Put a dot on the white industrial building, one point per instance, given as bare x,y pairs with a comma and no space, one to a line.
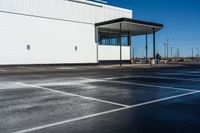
67,32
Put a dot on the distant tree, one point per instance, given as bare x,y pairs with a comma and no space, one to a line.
158,57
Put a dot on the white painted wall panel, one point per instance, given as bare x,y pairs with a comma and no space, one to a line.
51,41
63,9
113,52
54,41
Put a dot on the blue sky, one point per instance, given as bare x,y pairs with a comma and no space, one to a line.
181,19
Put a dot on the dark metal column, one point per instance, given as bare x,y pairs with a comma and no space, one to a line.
154,44
130,44
120,42
97,43
146,47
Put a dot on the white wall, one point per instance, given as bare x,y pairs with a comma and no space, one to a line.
64,9
53,28
51,41
107,53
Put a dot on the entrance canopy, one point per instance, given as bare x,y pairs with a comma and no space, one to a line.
119,32
135,27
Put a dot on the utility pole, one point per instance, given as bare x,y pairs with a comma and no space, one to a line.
177,53
171,51
197,52
157,51
192,53
165,44
167,48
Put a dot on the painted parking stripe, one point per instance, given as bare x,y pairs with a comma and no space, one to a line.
160,77
71,94
103,113
32,68
2,70
147,85
194,72
65,68
180,74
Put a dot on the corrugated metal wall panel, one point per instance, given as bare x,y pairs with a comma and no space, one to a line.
63,9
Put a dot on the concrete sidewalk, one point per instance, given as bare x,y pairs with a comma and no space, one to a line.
66,68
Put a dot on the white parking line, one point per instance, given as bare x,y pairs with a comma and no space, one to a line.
147,85
103,113
194,72
2,70
65,68
6,86
71,94
157,77
32,68
180,74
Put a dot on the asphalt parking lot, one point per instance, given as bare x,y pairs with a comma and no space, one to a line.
100,99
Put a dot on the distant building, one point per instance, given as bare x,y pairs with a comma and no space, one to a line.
67,32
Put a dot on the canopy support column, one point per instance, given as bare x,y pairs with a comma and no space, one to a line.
146,47
130,44
154,44
120,43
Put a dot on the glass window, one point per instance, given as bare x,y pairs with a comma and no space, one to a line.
114,38
124,39
110,37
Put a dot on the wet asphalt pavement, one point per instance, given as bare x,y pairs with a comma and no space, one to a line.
100,99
